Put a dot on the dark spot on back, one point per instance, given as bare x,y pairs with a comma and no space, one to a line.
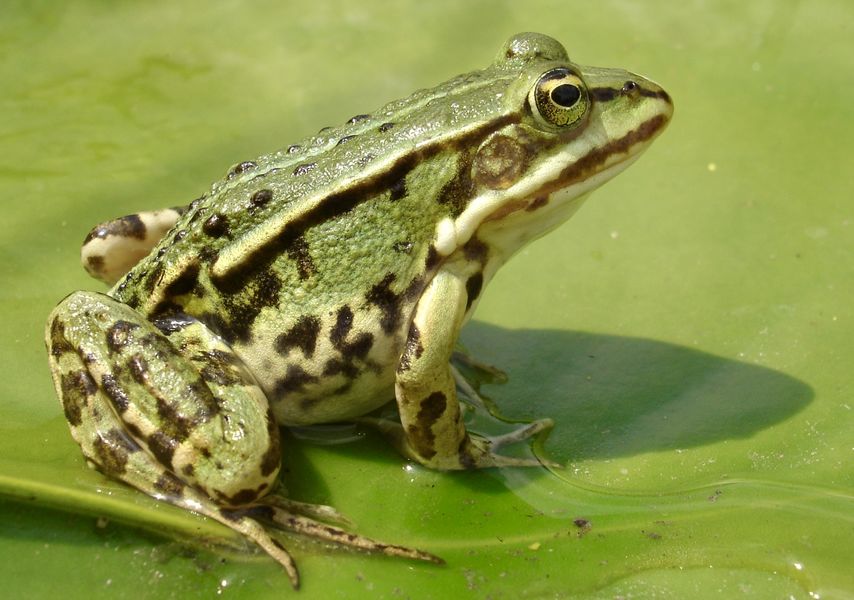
358,118
350,351
382,296
343,324
261,197
298,252
336,366
294,380
239,168
359,347
184,283
345,139
215,226
385,127
302,335
153,278
294,148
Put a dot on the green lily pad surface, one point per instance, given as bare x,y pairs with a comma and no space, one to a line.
690,331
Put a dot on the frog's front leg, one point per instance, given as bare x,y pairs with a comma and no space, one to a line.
432,430
168,408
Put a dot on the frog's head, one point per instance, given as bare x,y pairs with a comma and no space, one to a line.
574,128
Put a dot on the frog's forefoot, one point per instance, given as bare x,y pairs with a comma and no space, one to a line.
484,447
521,434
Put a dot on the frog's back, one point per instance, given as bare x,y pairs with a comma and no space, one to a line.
320,224
310,260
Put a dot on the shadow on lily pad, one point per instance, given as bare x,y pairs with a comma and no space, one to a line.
613,396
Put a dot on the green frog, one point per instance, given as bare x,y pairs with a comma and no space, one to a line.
315,283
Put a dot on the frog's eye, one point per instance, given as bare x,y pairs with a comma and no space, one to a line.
559,98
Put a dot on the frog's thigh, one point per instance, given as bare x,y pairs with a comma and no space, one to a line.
433,432
155,417
112,248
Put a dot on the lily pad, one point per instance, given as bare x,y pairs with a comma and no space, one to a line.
689,330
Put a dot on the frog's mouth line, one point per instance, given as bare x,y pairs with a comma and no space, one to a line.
588,172
592,165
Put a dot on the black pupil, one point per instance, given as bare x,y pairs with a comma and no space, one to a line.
566,95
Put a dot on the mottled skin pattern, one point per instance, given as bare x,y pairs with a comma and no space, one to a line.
316,283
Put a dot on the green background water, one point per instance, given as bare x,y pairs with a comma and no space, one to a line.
690,330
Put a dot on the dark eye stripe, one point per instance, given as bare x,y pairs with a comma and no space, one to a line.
606,94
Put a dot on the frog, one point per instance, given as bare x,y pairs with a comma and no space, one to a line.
319,282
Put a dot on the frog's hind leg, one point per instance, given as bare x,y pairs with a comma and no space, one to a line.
180,418
112,248
291,516
199,438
